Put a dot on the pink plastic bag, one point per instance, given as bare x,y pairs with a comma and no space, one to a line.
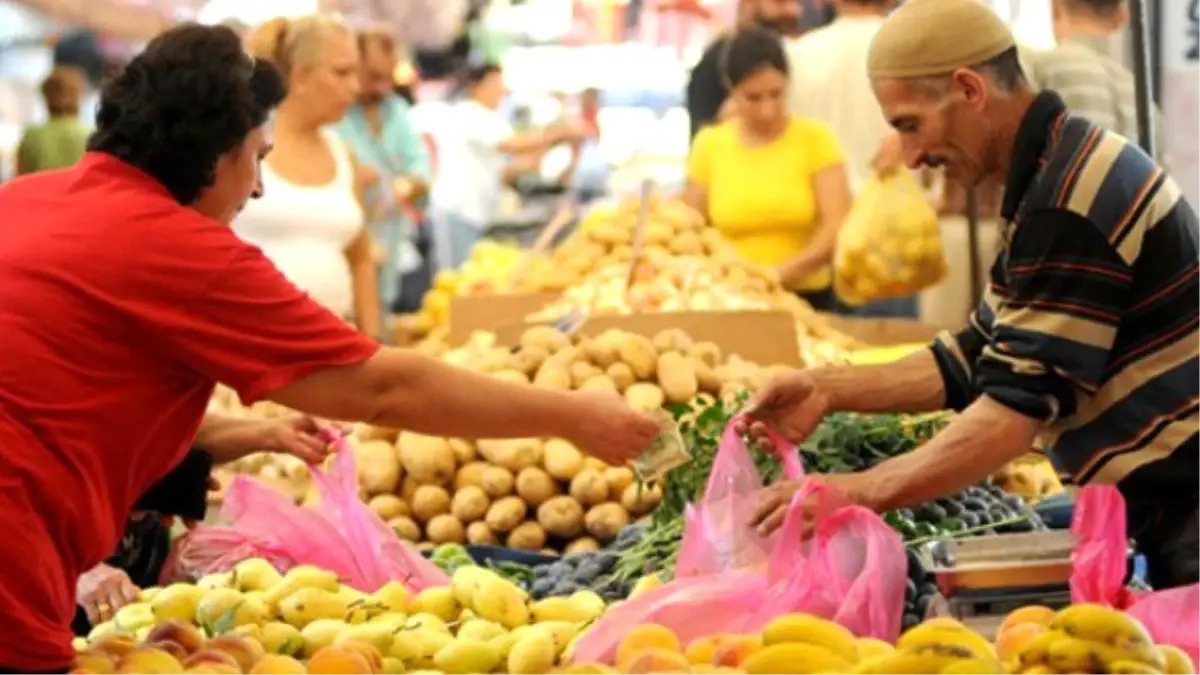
340,534
1099,566
852,569
717,535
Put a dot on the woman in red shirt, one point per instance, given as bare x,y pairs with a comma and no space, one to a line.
124,297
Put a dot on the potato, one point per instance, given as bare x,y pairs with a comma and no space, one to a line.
732,391
553,375
470,474
510,375
546,337
430,501
446,529
638,353
599,382
469,504
528,536
494,360
638,505
423,546
405,528
706,352
479,534
706,378
529,359
568,355
618,478
672,339
408,488
496,482
550,552
535,486
581,371
388,507
513,454
561,517
561,459
621,375
464,450
594,464
504,514
582,545
676,377
686,243
645,397
589,488
378,466
605,521
428,459
600,351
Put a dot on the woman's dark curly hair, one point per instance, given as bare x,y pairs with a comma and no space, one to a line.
749,50
190,97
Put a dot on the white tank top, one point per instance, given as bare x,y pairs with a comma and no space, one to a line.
305,230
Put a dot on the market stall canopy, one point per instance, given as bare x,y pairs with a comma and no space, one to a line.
430,24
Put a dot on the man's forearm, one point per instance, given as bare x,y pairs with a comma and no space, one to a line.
400,388
911,385
223,438
980,441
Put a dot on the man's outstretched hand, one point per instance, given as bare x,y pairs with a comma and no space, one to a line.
791,404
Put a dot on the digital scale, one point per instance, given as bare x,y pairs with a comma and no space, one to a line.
982,579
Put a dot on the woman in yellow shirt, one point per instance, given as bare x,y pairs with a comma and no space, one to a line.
773,184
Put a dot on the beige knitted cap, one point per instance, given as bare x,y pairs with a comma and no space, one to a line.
935,37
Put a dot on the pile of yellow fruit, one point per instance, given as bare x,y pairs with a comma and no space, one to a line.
488,269
532,493
890,244
253,620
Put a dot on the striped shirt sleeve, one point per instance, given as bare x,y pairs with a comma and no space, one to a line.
1067,289
956,354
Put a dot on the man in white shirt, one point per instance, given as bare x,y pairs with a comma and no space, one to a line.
829,82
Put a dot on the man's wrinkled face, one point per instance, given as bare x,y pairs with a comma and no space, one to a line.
238,178
940,128
781,16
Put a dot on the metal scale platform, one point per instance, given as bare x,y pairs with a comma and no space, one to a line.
982,579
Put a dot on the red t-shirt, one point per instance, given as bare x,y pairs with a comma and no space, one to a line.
119,310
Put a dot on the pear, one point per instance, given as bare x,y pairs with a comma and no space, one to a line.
301,576
215,581
281,638
255,574
320,633
132,618
215,606
393,596
500,601
377,635
177,602
309,604
438,601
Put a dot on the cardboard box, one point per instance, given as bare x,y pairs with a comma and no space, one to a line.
766,338
882,332
469,313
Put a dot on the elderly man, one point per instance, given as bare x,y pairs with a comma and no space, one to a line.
1087,335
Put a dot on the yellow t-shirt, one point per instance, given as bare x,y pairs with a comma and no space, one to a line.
761,198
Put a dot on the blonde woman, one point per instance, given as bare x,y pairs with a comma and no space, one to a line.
309,220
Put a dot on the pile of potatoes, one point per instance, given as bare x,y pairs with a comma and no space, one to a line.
527,493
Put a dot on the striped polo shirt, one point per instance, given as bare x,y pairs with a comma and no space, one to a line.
1090,319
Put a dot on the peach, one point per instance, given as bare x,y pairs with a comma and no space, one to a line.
1029,614
169,646
658,660
115,646
94,662
245,651
208,657
278,664
734,651
149,662
335,660
183,634
213,668
643,637
1012,640
367,652
701,650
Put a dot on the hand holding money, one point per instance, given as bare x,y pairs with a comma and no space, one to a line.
666,452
